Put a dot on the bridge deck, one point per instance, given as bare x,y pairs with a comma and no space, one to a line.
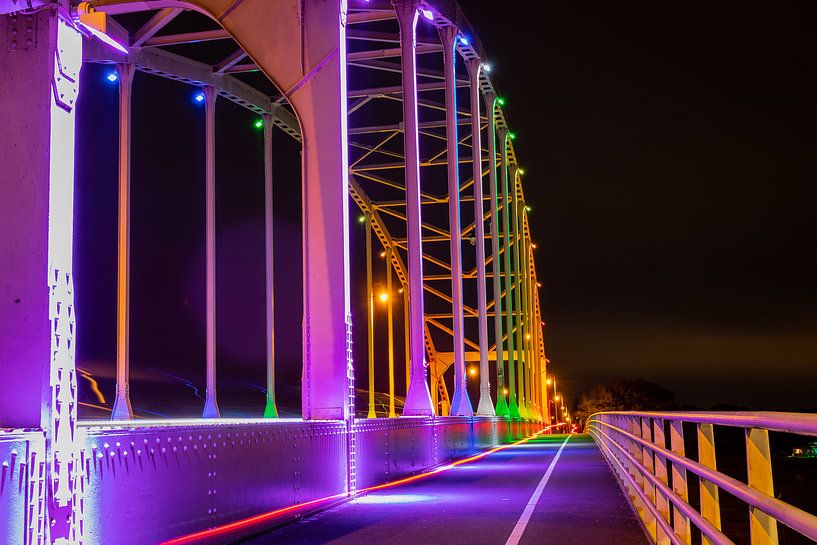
487,502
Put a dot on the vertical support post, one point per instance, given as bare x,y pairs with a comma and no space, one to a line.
370,309
460,403
210,97
406,336
390,309
513,407
524,269
40,61
485,406
679,483
763,528
710,497
270,409
122,409
517,299
648,461
418,398
319,96
660,465
501,403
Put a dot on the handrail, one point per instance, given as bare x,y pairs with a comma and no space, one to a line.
635,444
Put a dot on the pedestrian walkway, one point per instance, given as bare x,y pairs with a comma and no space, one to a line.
553,489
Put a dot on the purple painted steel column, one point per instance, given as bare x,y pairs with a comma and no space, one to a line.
418,398
485,406
122,409
40,61
270,409
210,97
460,402
501,403
319,97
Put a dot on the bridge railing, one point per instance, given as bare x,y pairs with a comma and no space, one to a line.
647,452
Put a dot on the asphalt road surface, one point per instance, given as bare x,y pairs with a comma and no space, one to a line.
553,490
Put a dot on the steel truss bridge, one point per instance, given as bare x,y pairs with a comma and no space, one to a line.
214,480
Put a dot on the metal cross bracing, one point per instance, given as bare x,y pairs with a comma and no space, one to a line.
386,99
161,42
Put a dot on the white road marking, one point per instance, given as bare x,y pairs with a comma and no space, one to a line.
522,523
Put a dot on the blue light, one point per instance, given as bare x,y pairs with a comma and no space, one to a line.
112,76
199,97
464,40
393,499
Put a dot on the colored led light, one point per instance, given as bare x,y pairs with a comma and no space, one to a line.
464,40
512,135
199,97
528,209
112,76
486,67
428,14
500,101
259,124
361,219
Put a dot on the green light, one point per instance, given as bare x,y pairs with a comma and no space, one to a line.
500,101
522,171
512,135
361,219
259,124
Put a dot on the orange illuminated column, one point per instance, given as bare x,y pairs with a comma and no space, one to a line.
122,409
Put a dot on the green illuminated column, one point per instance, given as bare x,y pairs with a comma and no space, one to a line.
513,407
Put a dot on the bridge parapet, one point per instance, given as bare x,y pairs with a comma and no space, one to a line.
647,452
211,481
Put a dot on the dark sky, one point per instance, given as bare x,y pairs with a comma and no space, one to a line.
670,159
670,151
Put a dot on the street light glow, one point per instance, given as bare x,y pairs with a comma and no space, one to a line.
383,297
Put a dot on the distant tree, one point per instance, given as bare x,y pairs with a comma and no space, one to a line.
625,395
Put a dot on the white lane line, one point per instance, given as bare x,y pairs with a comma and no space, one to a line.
522,523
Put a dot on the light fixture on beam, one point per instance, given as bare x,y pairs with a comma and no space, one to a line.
96,24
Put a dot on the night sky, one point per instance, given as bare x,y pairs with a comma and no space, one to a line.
670,166
672,170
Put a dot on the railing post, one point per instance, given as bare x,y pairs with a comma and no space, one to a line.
648,461
460,403
210,97
270,409
122,409
763,528
660,466
501,403
418,399
485,406
710,500
679,483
